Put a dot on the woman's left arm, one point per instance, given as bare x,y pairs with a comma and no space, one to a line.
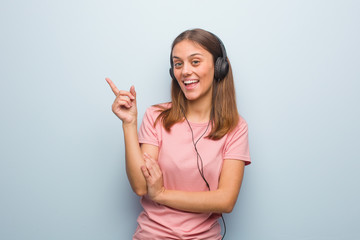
221,200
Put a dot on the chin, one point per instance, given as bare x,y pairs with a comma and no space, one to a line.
191,97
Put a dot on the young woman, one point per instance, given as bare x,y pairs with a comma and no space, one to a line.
189,165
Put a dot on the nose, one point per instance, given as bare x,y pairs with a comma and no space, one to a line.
186,70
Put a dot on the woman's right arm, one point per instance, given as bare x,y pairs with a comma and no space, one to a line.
134,158
124,107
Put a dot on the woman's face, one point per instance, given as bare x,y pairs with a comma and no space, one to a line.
193,69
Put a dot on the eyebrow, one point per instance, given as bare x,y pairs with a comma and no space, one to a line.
194,54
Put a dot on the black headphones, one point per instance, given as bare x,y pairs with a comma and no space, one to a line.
221,67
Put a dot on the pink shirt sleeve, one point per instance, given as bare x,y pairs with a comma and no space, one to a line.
147,133
237,144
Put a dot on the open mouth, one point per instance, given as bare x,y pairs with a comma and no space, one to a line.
190,82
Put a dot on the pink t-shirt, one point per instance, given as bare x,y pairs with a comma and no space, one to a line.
178,162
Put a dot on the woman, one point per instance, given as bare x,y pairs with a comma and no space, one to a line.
190,162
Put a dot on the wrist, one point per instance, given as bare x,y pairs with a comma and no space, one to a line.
127,125
161,197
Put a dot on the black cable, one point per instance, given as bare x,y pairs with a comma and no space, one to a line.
224,227
201,167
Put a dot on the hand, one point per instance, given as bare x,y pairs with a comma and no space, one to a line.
153,176
124,105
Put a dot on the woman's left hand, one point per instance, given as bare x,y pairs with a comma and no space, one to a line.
153,176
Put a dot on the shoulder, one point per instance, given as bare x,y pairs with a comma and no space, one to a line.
240,128
237,143
156,109
241,123
161,106
153,112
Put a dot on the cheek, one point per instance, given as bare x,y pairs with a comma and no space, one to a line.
209,73
177,81
177,73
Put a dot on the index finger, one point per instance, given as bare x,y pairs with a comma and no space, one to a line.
152,161
113,87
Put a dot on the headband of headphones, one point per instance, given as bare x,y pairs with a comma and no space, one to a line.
221,67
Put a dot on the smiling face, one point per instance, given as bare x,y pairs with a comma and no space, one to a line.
194,70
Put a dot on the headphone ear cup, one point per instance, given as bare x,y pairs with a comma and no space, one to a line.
171,71
217,69
224,68
221,69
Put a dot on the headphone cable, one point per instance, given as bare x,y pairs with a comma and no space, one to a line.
201,167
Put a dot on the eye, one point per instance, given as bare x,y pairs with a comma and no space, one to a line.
177,65
195,62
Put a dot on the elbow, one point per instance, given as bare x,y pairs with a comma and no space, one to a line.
139,190
228,208
228,205
227,201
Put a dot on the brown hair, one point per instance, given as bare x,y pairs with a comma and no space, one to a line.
224,115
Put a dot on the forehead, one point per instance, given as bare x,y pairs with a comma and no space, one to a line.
186,48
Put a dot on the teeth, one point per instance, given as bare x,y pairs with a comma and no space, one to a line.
190,81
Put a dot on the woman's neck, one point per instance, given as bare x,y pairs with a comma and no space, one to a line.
198,112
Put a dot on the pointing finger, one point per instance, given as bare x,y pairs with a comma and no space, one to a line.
113,87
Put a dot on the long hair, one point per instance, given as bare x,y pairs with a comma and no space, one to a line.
224,115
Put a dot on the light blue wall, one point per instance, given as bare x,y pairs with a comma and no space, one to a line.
296,66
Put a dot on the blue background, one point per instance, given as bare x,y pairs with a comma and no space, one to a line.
296,66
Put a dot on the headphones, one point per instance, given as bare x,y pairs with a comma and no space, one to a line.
221,67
